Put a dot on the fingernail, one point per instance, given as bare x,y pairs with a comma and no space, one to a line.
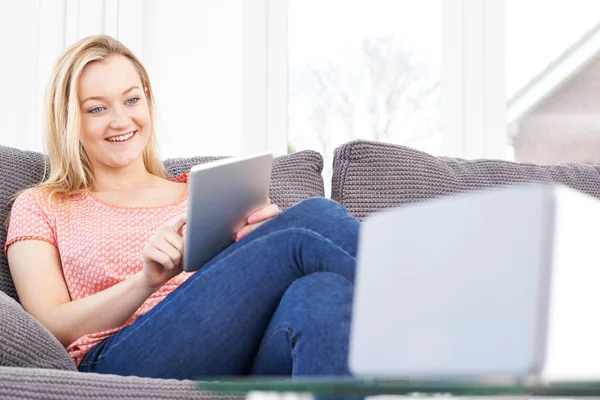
251,220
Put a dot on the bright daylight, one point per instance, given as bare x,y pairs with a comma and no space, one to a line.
299,199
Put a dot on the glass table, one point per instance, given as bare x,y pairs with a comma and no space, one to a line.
362,388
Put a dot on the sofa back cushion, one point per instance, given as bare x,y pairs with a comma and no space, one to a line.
26,343
18,170
372,176
294,177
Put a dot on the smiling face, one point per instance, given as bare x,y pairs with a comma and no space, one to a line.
115,118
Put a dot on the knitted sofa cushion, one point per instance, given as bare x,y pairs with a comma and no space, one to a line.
18,170
33,383
372,176
24,342
294,177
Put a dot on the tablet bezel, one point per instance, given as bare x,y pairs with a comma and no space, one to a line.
237,186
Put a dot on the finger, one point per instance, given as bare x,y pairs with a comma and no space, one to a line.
268,203
157,255
242,232
175,240
264,213
168,249
237,227
177,223
247,229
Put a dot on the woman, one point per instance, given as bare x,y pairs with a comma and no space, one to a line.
95,251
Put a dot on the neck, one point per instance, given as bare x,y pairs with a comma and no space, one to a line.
132,176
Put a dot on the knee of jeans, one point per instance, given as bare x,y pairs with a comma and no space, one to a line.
318,206
319,294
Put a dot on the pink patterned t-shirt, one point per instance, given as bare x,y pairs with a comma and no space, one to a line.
99,245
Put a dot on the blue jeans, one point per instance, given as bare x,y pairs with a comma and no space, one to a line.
278,302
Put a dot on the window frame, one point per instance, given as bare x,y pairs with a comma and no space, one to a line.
473,85
264,76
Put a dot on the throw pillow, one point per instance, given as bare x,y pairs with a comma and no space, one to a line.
294,177
24,342
373,176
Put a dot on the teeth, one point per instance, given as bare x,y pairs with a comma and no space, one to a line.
121,138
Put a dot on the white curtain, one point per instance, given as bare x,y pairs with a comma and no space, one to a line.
192,50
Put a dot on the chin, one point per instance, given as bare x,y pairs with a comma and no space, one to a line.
122,162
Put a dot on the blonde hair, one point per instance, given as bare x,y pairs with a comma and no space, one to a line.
70,167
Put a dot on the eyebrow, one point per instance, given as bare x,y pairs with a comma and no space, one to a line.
102,98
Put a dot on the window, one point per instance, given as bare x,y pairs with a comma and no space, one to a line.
365,69
553,80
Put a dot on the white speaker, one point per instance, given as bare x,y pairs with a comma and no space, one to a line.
495,283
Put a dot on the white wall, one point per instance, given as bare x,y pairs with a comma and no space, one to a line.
18,74
192,50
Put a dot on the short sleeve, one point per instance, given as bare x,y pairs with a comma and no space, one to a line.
183,178
30,219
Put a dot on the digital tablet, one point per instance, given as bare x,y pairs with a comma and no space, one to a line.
221,196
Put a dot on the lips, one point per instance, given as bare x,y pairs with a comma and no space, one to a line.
121,138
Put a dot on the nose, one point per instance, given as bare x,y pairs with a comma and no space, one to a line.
120,119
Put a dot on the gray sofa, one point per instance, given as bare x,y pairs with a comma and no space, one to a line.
367,177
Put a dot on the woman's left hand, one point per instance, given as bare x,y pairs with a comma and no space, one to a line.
258,218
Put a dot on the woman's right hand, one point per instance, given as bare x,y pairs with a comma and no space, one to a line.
163,254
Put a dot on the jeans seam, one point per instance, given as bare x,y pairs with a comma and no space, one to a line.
346,281
282,328
88,363
294,362
165,302
313,233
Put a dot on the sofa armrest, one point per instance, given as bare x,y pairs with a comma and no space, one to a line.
24,342
33,383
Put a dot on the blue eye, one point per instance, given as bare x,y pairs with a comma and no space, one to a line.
133,100
96,110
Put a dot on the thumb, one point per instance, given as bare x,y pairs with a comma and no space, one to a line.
178,222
